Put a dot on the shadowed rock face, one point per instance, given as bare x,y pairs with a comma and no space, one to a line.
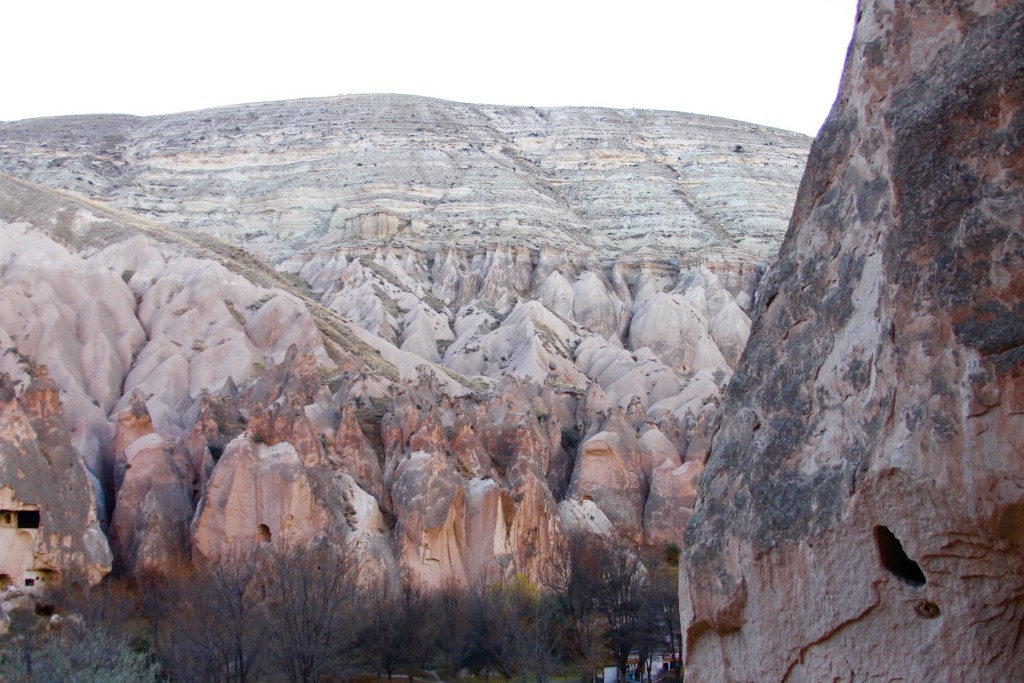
859,515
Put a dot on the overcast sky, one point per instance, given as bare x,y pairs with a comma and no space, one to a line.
773,63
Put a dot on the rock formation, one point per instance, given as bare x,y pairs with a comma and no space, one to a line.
399,170
469,338
48,523
859,515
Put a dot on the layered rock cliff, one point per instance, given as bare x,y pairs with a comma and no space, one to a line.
859,516
483,326
392,169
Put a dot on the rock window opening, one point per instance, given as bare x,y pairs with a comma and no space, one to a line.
896,560
30,582
263,531
28,519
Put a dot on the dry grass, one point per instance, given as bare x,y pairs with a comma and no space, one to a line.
55,211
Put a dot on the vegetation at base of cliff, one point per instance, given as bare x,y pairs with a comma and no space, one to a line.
311,613
76,634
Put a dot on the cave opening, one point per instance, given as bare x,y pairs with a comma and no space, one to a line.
28,519
896,560
263,531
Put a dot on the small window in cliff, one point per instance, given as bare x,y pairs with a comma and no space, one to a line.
28,519
30,582
896,560
263,531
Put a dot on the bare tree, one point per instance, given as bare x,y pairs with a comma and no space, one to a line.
311,600
78,633
80,654
531,642
664,572
208,622
621,599
233,602
544,641
486,622
449,623
572,579
415,624
382,637
176,616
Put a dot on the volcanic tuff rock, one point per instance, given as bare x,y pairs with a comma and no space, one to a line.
860,513
470,339
48,518
400,170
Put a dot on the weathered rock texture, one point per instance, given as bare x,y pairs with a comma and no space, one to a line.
860,515
483,324
217,406
48,521
405,170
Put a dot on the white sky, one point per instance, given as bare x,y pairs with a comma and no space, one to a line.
774,63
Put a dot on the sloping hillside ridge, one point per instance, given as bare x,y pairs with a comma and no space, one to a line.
283,175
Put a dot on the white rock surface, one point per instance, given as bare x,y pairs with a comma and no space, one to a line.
400,168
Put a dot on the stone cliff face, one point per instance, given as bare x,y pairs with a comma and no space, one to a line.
48,521
392,169
859,515
484,325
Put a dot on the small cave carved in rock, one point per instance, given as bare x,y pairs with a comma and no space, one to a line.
896,560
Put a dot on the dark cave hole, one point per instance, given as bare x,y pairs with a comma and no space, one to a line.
215,452
570,439
896,560
28,519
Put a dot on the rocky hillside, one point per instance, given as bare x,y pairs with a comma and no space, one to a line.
389,170
860,516
449,333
